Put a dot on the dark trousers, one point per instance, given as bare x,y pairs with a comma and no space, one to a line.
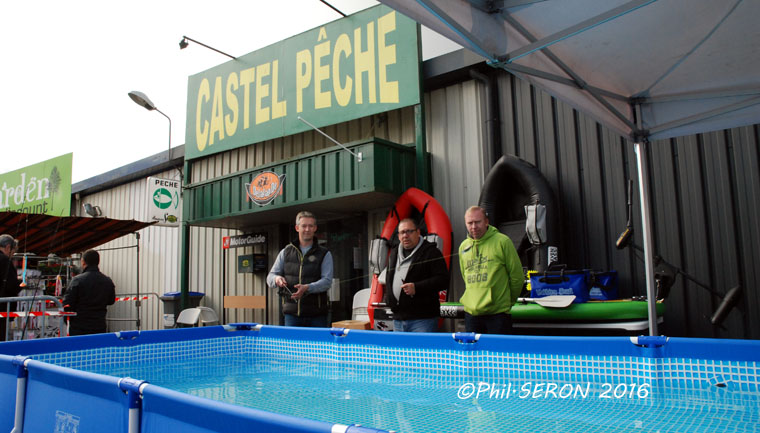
307,321
79,331
488,324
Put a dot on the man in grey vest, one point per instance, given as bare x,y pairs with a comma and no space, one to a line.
302,274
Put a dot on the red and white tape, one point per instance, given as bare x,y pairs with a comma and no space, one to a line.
38,313
131,298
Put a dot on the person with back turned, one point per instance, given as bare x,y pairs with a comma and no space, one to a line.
9,284
416,273
302,273
492,273
89,294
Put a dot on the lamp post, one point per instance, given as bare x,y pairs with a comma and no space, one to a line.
142,100
183,44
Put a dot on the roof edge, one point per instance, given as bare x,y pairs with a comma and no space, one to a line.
130,172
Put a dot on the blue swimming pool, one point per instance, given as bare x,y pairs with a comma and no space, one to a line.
202,379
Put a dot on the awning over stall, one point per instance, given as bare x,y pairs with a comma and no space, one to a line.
63,236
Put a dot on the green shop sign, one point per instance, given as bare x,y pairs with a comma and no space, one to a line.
43,188
354,67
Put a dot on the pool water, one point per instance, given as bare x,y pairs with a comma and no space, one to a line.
413,399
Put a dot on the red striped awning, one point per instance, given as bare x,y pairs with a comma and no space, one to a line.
44,234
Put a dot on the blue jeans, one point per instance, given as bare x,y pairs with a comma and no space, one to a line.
417,325
308,322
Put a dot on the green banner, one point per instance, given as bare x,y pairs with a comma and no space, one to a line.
43,188
354,67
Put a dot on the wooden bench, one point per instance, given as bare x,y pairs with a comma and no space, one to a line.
252,302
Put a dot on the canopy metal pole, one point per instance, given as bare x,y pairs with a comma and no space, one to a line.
646,231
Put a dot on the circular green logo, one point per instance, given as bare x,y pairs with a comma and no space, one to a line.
162,198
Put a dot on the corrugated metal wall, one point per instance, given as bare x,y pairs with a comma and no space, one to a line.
705,197
456,139
158,256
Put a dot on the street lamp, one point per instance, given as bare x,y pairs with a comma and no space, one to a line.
142,100
183,44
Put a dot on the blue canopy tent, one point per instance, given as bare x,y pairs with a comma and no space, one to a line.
648,69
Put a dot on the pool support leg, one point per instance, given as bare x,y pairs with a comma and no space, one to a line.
21,376
133,388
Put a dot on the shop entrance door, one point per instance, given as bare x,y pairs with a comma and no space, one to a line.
346,239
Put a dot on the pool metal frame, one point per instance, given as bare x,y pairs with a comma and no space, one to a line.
143,407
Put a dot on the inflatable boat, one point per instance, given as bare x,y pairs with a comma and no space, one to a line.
520,203
434,224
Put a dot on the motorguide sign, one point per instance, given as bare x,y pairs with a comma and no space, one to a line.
247,240
164,201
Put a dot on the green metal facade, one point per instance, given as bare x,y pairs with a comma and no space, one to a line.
318,176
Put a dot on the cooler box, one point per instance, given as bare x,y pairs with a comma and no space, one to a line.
562,282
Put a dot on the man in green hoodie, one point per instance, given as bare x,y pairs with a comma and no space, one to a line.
493,275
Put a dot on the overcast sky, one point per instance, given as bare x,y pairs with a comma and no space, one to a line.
68,66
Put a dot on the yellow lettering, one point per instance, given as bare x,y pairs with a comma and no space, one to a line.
246,79
386,55
230,123
217,112
321,73
279,108
262,90
342,94
365,62
303,76
201,128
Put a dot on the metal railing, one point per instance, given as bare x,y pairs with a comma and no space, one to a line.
139,297
6,313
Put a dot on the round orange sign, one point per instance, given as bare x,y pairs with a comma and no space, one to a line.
264,187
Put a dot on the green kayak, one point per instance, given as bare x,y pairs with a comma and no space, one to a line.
592,311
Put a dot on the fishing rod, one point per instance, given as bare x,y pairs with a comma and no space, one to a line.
666,272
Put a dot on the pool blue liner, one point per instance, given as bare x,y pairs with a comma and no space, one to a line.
673,347
165,410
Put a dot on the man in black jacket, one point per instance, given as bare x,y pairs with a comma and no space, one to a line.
9,285
416,273
89,294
